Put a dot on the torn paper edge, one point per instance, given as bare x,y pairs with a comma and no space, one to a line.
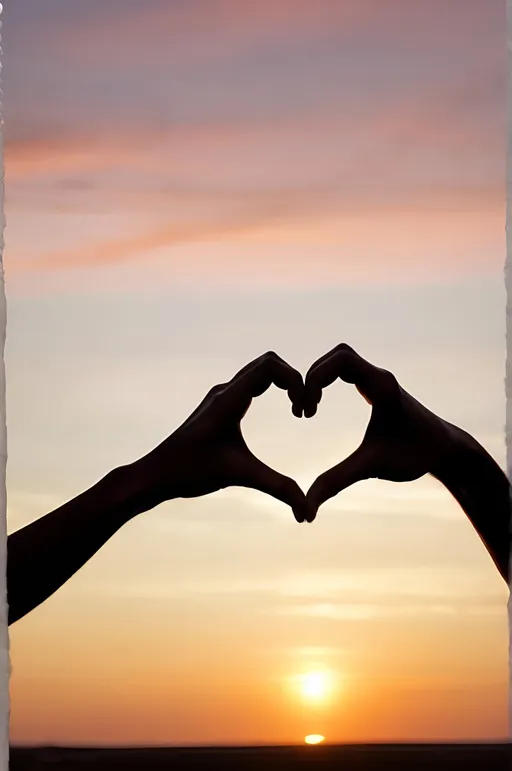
4,633
508,287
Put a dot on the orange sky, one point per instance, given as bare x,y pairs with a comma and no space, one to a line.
208,181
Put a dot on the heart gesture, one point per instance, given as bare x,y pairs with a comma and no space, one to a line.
209,453
405,441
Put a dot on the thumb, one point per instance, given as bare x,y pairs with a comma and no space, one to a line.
355,468
255,474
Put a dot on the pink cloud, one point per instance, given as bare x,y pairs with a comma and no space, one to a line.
415,188
395,245
220,26
224,26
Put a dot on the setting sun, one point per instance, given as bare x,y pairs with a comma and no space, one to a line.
315,685
314,739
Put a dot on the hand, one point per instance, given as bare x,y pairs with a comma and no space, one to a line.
205,454
208,452
403,440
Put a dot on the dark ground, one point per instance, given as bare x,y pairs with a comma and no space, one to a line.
413,757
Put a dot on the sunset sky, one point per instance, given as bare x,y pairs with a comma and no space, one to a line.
192,183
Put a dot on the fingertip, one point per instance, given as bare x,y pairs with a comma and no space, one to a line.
311,402
310,410
305,512
297,410
312,515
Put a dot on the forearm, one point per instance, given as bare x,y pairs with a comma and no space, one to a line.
483,491
42,556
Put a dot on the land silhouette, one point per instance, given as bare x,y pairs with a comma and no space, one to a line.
396,757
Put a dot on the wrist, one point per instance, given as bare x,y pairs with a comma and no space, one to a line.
136,488
156,477
483,491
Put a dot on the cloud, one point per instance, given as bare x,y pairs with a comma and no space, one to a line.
370,611
357,205
222,24
252,186
56,150
348,595
260,246
214,26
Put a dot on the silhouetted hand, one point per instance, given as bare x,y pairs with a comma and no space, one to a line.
404,441
208,452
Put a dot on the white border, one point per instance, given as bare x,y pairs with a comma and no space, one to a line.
4,633
508,286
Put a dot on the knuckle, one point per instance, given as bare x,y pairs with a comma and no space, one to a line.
389,381
345,348
387,388
217,390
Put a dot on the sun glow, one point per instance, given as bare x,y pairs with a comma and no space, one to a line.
315,686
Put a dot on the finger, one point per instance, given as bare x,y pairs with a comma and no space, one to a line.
313,393
339,347
356,468
376,385
345,363
255,378
249,471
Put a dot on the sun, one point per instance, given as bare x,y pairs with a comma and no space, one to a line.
314,739
315,686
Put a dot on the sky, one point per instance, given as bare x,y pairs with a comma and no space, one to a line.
189,184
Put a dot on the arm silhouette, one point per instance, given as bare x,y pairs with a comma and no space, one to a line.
404,441
205,454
